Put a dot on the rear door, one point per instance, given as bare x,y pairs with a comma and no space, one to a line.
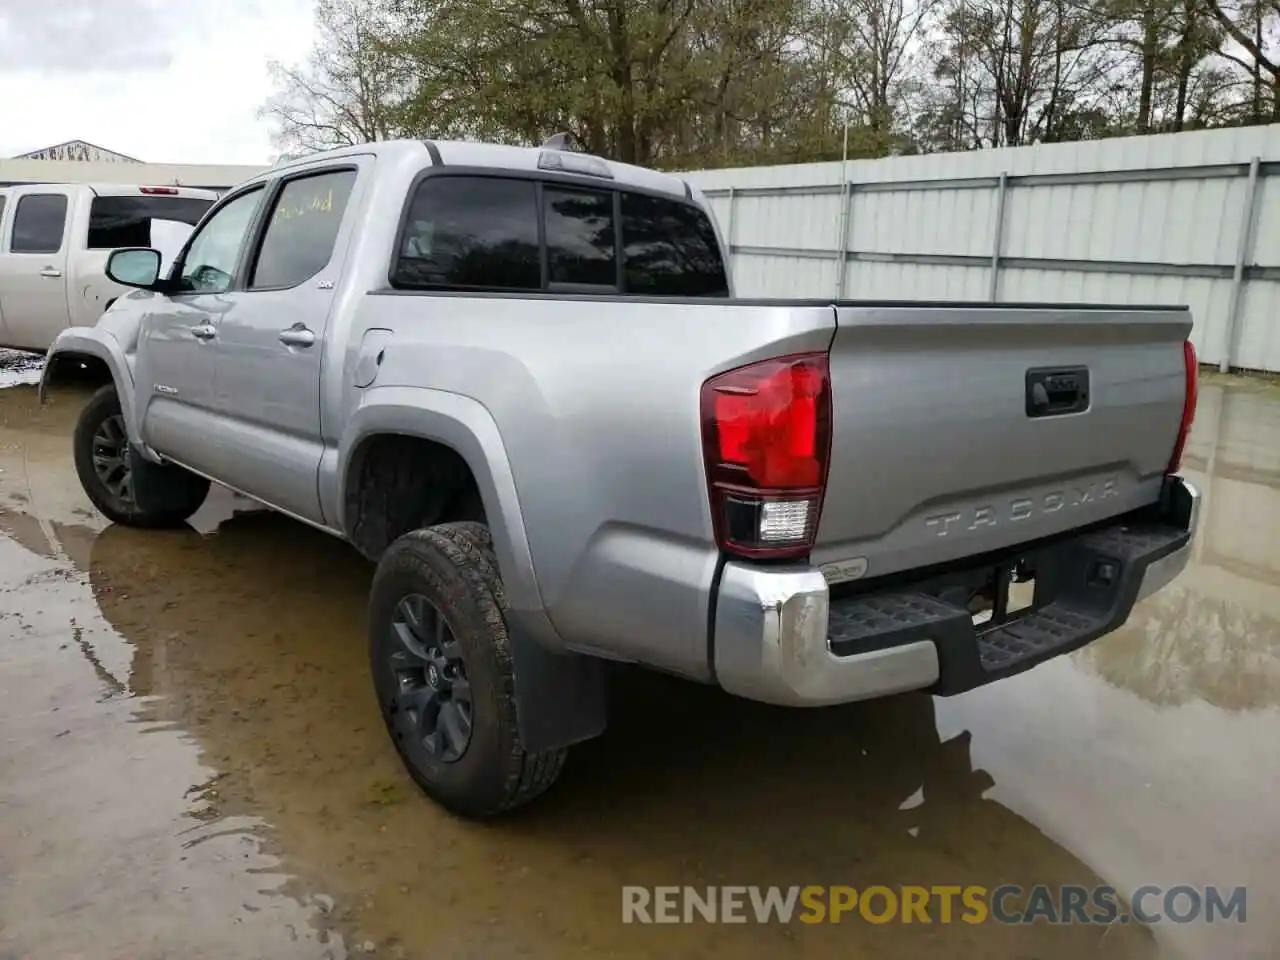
271,340
33,282
941,448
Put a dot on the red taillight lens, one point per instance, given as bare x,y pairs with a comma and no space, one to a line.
1188,404
161,191
766,438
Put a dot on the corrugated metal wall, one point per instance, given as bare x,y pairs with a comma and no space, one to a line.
1190,218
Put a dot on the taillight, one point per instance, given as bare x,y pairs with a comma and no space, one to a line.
160,191
766,439
1188,403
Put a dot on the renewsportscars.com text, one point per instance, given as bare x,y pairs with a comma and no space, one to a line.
1008,904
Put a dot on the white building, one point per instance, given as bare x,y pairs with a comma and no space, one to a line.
78,161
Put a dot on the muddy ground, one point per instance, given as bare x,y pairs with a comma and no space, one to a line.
191,765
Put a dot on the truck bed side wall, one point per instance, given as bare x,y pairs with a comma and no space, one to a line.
597,405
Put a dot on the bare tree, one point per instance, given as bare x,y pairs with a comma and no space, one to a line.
346,91
1251,25
872,47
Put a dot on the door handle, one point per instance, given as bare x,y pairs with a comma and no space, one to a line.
51,272
205,331
297,336
1052,393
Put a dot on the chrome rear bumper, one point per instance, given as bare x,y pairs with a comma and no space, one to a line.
775,627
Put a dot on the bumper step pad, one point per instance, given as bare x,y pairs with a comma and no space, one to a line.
1045,630
1085,588
888,619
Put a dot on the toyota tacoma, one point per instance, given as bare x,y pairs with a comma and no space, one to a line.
519,381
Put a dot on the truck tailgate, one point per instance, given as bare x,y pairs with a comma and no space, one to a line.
963,429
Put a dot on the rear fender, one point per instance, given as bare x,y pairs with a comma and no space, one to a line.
464,425
560,695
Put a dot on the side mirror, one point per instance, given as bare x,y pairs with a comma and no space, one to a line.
134,267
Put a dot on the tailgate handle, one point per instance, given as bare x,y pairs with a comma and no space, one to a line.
1058,391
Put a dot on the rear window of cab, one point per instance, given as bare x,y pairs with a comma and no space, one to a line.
490,233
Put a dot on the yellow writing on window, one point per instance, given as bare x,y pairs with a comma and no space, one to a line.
321,203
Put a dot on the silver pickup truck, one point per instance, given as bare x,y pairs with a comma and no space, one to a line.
519,381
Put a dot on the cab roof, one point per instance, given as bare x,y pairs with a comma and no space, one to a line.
465,153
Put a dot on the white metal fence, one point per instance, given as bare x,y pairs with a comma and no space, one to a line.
1189,218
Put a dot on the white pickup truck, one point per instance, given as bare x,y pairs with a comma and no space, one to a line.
54,244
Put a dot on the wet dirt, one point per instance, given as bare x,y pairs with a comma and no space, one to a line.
191,764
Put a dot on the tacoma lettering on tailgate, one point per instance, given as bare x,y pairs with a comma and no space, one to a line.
1021,508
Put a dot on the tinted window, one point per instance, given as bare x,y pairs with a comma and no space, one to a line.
303,229
1,209
210,261
127,221
670,249
580,243
38,222
479,232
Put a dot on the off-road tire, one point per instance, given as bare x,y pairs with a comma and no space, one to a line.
160,495
452,565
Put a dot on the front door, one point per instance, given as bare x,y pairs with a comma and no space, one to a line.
271,343
33,282
175,363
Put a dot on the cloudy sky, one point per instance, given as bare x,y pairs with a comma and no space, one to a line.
172,81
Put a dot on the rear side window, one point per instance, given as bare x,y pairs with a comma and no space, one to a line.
1,208
670,249
471,232
38,222
142,221
580,236
303,229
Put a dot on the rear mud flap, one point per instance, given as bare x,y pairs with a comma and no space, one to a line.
561,698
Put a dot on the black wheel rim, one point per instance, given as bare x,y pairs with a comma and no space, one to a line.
111,458
431,702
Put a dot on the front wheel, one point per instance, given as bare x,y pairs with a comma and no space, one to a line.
125,488
441,663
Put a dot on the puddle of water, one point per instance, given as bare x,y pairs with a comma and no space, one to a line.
219,673
1151,753
17,367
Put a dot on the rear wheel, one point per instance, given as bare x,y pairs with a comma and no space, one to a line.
441,663
126,489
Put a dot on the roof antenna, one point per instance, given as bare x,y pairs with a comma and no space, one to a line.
560,141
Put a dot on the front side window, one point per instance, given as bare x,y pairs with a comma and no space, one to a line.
580,241
209,264
38,223
670,249
471,232
303,229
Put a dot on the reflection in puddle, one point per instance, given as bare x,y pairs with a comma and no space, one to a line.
107,852
1151,753
1184,646
1214,636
